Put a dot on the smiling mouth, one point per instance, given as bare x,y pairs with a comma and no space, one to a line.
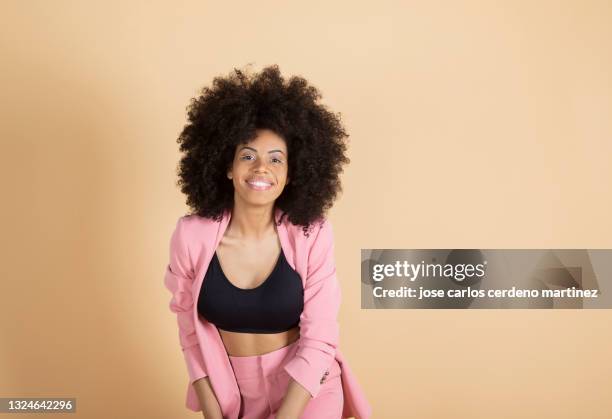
258,185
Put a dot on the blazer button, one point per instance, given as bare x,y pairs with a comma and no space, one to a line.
325,374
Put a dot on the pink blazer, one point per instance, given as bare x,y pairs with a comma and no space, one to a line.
192,246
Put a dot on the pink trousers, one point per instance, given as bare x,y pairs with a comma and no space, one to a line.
263,383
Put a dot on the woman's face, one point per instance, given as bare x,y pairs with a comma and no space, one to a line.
259,169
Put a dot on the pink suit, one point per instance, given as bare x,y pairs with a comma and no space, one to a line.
263,383
192,246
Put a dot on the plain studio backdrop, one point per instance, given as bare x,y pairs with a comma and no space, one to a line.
473,124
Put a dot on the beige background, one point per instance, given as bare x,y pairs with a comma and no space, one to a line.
473,124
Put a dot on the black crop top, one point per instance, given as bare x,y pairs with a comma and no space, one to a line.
273,306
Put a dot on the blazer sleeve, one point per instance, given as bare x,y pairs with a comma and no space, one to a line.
178,280
319,329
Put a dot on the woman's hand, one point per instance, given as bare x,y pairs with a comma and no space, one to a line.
294,402
208,400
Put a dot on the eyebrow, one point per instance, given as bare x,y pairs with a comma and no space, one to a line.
251,148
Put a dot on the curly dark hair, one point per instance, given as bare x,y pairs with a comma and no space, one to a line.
229,113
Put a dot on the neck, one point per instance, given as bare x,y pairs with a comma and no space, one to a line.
251,222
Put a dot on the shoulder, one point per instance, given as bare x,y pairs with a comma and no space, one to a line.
319,230
192,227
324,233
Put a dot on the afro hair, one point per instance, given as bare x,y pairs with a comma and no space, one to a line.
228,114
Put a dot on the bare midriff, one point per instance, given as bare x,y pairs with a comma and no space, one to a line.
249,344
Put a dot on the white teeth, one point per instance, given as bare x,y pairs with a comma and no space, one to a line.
260,183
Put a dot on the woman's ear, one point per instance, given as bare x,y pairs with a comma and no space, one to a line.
229,174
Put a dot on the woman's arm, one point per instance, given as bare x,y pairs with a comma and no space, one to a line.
208,400
178,280
319,329
294,402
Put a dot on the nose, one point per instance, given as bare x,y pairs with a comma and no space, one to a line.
260,166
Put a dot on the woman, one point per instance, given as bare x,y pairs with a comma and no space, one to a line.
251,269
